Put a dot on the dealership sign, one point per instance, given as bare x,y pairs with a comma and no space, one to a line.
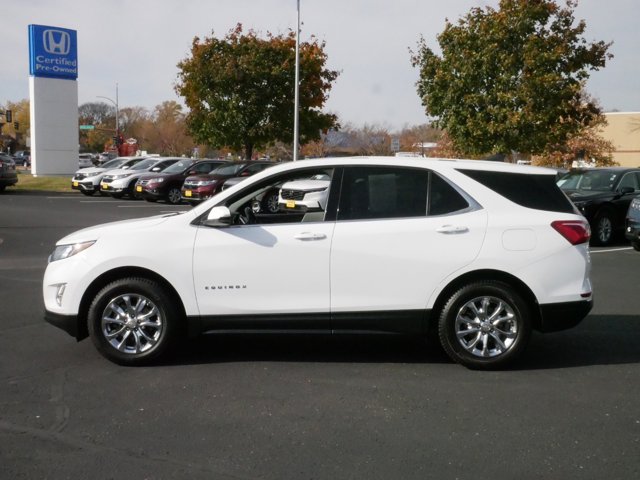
53,52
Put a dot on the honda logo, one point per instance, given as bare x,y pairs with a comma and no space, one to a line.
56,41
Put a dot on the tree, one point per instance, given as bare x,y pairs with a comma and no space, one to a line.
240,90
510,79
21,114
588,144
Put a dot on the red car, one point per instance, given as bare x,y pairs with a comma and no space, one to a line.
166,185
200,187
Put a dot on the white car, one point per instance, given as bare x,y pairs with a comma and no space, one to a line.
476,253
121,182
308,194
87,180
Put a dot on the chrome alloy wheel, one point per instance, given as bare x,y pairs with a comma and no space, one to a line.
174,196
604,230
132,324
486,327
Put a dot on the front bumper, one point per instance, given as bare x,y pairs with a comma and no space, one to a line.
562,316
632,231
68,323
84,186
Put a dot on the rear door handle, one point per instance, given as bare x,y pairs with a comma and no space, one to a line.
307,236
449,229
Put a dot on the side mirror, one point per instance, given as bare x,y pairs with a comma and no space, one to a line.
625,190
218,217
245,174
155,169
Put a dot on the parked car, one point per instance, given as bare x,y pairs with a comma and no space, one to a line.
197,188
308,194
121,182
22,157
106,156
477,253
8,175
166,184
85,160
603,196
87,180
632,231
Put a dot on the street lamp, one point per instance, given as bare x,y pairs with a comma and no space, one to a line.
115,103
296,101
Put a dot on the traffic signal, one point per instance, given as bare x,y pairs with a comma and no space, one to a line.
16,126
7,115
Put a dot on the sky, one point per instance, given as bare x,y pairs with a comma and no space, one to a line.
137,44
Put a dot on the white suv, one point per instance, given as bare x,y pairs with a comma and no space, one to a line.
476,253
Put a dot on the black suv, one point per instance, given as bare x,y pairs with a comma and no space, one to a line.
603,196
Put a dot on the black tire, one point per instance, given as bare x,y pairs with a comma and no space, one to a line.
603,232
270,202
471,308
147,329
636,246
88,193
174,196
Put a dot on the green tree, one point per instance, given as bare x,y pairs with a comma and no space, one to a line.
510,79
240,90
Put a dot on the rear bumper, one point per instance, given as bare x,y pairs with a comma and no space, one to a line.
561,316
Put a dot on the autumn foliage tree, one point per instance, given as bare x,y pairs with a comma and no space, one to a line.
240,90
510,79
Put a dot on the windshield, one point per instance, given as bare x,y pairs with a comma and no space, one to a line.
144,164
228,169
179,167
595,180
115,163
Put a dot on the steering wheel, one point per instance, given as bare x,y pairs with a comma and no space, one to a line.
245,216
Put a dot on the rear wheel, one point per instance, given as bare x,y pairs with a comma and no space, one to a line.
132,321
603,231
484,325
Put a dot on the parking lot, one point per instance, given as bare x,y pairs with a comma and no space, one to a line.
295,407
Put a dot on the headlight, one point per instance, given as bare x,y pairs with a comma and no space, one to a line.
122,175
65,251
635,204
203,183
156,180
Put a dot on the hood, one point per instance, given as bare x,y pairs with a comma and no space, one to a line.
120,228
587,195
91,170
306,185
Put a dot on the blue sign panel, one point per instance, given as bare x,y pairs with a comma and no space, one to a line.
53,52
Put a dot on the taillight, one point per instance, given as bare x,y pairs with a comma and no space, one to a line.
575,231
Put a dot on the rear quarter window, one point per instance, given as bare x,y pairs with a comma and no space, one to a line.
539,192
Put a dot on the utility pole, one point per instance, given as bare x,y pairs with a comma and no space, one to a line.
296,120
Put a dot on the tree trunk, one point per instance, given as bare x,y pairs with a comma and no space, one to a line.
248,151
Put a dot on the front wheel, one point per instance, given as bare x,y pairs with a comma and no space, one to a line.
484,325
132,321
174,196
636,246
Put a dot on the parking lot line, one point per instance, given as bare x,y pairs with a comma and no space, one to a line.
611,250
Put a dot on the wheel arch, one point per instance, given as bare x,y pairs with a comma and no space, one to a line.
111,276
484,275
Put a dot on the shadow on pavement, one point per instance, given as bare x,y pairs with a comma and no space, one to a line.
599,340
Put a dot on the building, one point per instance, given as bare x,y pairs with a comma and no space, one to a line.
623,130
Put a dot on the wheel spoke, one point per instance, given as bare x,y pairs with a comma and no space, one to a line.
115,333
122,345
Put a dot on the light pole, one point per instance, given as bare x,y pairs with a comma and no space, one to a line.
296,101
115,103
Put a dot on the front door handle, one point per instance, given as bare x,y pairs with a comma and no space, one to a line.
449,229
307,236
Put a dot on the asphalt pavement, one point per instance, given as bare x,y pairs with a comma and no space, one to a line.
297,407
